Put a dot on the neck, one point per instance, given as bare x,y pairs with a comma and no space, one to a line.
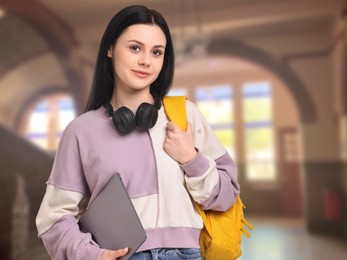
130,100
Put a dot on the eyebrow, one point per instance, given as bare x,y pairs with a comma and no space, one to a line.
142,44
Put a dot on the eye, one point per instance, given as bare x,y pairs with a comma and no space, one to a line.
157,52
135,48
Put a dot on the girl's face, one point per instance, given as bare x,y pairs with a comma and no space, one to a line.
138,56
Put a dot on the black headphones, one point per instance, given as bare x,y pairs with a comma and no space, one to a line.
125,121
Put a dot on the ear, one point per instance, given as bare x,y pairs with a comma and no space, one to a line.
109,52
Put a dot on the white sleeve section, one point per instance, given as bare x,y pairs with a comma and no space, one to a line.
202,187
204,138
55,204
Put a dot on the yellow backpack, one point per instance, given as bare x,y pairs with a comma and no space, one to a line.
221,236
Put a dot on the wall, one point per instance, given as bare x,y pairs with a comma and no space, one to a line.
308,55
20,158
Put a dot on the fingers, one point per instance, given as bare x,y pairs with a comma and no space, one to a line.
113,254
121,252
175,133
173,127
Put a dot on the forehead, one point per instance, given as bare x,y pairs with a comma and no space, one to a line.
150,34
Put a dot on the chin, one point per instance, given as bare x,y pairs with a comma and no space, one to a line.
142,85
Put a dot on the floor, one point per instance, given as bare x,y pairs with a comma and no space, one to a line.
287,239
275,239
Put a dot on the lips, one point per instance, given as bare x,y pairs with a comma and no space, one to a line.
141,74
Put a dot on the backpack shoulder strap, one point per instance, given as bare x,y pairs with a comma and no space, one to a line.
175,109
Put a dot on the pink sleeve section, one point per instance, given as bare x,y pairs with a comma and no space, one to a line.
227,188
65,241
67,171
196,167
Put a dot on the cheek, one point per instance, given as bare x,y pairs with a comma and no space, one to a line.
121,64
118,68
120,71
159,65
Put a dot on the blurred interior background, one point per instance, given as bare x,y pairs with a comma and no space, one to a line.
269,75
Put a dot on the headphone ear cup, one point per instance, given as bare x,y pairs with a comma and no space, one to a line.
124,120
146,116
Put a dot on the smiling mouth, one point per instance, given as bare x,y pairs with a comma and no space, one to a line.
141,74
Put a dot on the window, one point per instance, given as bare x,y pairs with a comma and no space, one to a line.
216,104
254,123
48,120
258,131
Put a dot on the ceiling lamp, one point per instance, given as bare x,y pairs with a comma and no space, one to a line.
2,13
192,46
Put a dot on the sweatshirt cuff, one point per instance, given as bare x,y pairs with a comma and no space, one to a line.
196,167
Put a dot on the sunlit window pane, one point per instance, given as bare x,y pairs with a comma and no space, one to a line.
216,104
259,136
48,119
257,109
40,141
66,113
260,154
38,119
259,139
257,102
227,138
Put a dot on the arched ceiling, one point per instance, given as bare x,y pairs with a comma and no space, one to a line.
20,41
235,18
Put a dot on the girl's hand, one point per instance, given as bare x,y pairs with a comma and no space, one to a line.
113,254
179,144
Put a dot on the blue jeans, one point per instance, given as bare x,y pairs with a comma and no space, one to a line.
168,254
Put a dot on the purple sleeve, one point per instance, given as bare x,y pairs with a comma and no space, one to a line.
226,190
65,241
67,171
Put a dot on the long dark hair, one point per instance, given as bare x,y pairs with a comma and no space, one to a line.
103,81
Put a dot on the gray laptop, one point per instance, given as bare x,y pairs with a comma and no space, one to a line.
112,220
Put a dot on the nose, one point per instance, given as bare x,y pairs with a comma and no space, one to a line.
145,60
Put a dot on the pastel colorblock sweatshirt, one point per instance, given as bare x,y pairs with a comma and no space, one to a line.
161,189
